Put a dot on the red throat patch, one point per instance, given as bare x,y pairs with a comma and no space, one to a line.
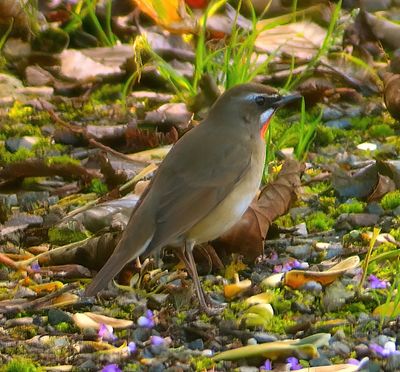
264,128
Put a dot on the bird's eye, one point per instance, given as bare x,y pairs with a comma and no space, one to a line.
260,100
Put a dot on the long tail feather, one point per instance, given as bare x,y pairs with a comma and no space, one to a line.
133,243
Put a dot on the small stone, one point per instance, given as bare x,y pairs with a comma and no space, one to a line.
393,362
252,341
301,308
10,200
396,211
300,251
331,113
312,286
207,353
88,365
301,229
319,362
197,344
361,350
56,316
263,337
341,348
339,124
375,208
367,146
299,212
248,369
15,143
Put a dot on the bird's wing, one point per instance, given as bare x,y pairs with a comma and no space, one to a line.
195,177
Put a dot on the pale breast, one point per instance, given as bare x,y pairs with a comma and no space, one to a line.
231,209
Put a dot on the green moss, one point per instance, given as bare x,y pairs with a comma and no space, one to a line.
284,221
18,130
381,131
353,206
19,112
62,159
327,202
395,233
202,363
20,365
63,236
98,187
324,136
361,122
65,327
23,332
319,221
107,93
7,157
318,188
391,200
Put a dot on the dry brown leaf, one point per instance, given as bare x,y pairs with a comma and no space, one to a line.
247,236
92,320
300,39
297,278
384,185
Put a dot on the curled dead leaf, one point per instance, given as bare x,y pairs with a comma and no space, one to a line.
296,278
93,320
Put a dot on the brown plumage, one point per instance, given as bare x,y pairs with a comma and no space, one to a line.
204,184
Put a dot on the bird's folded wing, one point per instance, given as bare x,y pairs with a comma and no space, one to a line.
195,178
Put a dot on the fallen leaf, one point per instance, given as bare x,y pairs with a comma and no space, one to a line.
247,236
303,349
297,278
387,310
233,290
391,93
92,320
384,185
301,39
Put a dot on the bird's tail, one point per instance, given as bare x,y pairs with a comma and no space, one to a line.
134,241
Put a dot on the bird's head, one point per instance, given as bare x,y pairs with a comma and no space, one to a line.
250,105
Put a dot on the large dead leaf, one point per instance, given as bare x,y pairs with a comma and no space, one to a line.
391,93
300,39
247,236
297,278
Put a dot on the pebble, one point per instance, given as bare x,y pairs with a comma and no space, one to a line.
341,348
252,341
338,124
248,369
300,251
375,208
207,353
197,344
393,362
56,316
318,362
262,337
361,350
312,286
13,144
10,200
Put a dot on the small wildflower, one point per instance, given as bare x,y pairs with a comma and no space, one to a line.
106,333
157,340
376,283
146,320
131,347
290,265
111,368
293,363
35,266
384,351
354,362
267,366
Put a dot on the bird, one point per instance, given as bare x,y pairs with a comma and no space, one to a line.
204,184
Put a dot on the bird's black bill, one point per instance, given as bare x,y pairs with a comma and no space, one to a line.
286,100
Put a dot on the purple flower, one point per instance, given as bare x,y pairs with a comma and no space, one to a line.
267,366
157,340
146,320
131,347
106,333
35,266
111,368
375,283
354,362
384,351
290,265
293,363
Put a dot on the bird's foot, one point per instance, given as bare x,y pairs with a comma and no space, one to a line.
212,307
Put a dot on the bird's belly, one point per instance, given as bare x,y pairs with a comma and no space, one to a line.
230,210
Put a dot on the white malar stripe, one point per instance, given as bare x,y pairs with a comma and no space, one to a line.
266,115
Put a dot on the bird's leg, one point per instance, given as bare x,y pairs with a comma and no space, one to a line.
191,266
